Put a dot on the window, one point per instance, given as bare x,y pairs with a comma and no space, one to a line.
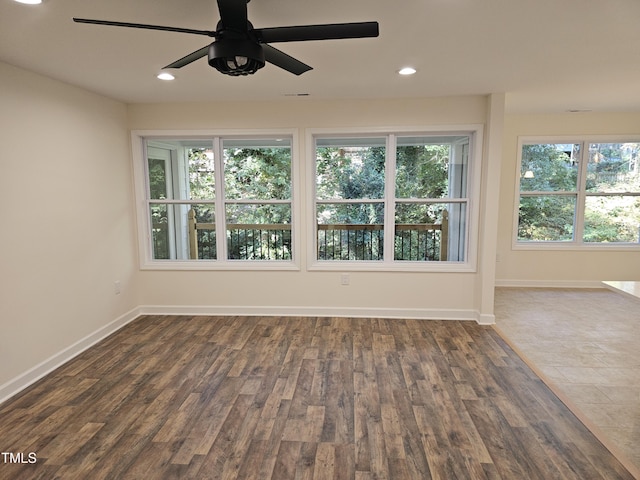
392,199
219,200
579,193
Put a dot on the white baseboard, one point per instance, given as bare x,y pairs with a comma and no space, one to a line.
16,385
549,283
485,319
358,312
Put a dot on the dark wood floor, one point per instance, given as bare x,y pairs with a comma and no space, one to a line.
298,398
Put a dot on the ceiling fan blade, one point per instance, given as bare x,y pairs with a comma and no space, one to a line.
187,59
282,60
233,14
331,31
208,33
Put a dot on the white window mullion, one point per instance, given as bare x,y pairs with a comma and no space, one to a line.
220,220
389,198
581,194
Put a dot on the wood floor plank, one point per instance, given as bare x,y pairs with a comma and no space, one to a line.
287,459
324,464
180,397
66,444
306,462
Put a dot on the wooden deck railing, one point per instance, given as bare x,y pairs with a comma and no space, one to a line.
245,241
413,242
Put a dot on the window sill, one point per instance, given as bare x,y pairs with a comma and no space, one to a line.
418,267
215,265
577,247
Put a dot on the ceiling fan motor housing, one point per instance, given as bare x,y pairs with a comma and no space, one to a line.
236,57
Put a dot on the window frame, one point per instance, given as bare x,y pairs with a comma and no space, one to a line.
581,193
472,200
143,200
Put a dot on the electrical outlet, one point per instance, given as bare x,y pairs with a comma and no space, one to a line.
117,287
344,279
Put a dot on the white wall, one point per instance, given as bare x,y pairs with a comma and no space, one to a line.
557,268
441,295
66,219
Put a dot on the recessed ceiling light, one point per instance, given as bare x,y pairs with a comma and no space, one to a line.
166,76
30,2
407,71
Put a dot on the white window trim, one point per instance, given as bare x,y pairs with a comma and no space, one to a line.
140,176
475,133
577,244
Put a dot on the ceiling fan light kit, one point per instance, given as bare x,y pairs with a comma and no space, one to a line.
239,49
236,57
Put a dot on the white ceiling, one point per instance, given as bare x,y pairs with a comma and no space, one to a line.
547,55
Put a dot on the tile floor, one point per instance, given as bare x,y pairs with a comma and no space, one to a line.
586,344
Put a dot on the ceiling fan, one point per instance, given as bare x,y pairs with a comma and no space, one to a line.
240,49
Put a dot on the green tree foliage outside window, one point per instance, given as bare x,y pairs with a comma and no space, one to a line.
257,173
262,173
552,172
159,219
551,186
255,198
350,190
611,214
353,172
